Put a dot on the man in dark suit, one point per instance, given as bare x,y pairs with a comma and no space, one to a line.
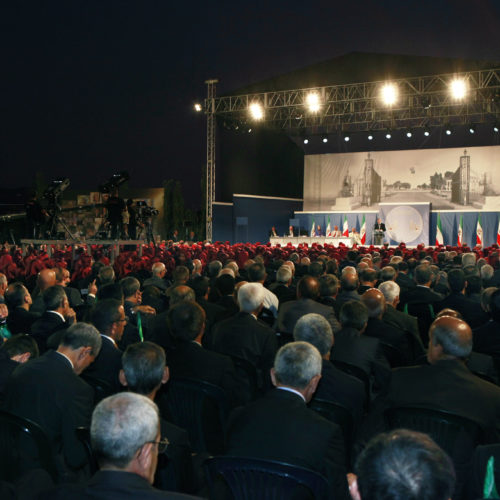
352,347
281,427
58,315
159,271
245,336
403,279
63,279
349,284
374,301
379,225
144,372
335,385
282,287
307,294
48,391
486,338
108,316
201,287
126,439
18,300
329,288
44,280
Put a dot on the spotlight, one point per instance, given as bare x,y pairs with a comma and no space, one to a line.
313,102
197,107
447,130
495,128
347,137
389,94
256,111
458,88
370,136
324,138
388,134
249,130
409,133
427,132
472,128
306,141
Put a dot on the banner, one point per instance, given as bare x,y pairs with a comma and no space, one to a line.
406,223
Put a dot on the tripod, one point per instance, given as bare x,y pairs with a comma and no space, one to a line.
54,219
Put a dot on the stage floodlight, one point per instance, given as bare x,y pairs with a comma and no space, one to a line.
197,107
256,111
448,130
409,133
472,129
370,136
306,140
389,94
324,138
313,102
388,134
427,132
495,128
249,130
347,137
458,88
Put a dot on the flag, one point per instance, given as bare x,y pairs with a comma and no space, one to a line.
439,232
313,230
498,232
345,230
362,231
328,232
479,231
460,231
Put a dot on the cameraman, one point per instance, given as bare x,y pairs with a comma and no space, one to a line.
132,220
115,206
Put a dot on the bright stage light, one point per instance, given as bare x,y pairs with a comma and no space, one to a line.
495,128
409,133
197,107
370,136
306,141
427,132
388,134
325,139
347,137
256,111
472,128
448,130
389,94
313,102
458,88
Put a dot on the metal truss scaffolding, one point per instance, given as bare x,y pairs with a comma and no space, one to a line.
424,101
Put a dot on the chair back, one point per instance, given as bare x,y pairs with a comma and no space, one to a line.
425,315
457,435
248,373
201,408
102,388
23,445
357,372
394,355
83,435
249,479
339,415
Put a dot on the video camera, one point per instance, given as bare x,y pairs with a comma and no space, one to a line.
55,188
114,181
144,211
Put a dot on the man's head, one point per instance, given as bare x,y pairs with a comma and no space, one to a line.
125,432
403,465
158,270
353,314
328,285
256,273
180,275
284,275
108,316
468,259
20,348
390,290
297,365
308,288
349,281
55,299
81,343
456,280
388,273
368,276
17,295
423,275
449,338
181,293
225,284
374,301
3,284
62,276
144,368
316,330
106,275
131,289
186,321
251,298
45,279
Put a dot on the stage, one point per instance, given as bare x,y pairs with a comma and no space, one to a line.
319,240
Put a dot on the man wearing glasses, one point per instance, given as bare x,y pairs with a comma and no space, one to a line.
125,437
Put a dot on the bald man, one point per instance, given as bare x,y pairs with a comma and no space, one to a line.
45,279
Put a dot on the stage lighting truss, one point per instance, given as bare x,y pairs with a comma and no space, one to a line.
427,101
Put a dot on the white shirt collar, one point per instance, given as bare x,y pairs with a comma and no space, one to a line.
109,338
289,389
59,314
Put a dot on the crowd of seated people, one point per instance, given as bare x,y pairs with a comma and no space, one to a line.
284,333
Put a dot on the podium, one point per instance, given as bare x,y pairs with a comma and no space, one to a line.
378,237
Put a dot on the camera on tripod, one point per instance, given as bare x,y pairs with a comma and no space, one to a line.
114,181
144,211
55,189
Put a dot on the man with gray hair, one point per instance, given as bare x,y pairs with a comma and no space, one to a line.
125,437
48,391
282,287
335,385
279,426
245,336
158,271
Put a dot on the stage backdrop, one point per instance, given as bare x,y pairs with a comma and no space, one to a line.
406,223
450,179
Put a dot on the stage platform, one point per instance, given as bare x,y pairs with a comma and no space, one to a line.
321,240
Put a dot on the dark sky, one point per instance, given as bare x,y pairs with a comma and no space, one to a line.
97,86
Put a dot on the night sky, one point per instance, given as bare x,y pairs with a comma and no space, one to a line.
95,87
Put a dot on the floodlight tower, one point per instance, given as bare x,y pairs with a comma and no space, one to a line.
210,184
